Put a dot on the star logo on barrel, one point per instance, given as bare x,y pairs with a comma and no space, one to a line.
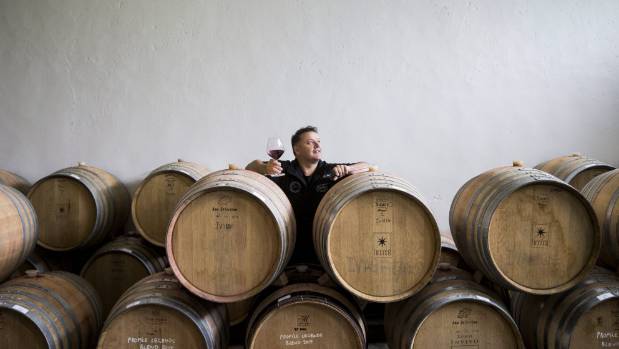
540,236
382,241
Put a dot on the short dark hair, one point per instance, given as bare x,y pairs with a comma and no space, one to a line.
297,135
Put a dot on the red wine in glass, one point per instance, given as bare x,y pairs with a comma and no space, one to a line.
276,153
275,149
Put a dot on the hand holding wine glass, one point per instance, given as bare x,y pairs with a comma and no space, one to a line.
275,150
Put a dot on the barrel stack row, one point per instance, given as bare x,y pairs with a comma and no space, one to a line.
523,240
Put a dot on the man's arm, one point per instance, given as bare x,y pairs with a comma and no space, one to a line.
342,170
271,167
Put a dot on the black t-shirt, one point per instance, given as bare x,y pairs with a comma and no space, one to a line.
304,194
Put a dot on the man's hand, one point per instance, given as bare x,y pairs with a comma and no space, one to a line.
340,171
273,167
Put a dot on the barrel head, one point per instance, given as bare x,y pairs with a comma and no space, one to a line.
542,237
66,212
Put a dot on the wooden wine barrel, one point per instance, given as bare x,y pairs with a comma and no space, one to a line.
118,265
583,317
239,311
376,237
603,194
155,199
308,316
231,235
53,310
33,262
451,312
78,207
15,181
18,230
575,169
449,251
159,311
525,229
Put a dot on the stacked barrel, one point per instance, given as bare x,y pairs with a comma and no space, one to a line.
536,238
209,262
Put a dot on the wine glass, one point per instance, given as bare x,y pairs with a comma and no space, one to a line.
275,150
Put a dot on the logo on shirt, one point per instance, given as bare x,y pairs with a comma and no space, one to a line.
295,187
321,188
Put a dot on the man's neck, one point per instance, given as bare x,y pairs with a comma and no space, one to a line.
308,167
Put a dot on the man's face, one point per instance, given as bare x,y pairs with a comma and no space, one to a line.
308,147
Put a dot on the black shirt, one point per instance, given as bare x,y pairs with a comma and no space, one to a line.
304,194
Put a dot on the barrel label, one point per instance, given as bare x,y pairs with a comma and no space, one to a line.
383,227
380,266
466,330
383,211
300,338
303,321
225,214
151,343
540,236
170,185
607,339
382,245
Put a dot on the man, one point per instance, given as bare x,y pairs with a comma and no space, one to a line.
305,181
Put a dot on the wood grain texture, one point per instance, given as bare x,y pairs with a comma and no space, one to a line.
118,265
376,237
239,311
50,310
603,194
231,235
308,316
155,199
14,181
525,230
159,311
582,317
79,207
451,312
449,251
18,230
575,169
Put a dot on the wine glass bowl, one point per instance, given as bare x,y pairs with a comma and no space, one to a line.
275,150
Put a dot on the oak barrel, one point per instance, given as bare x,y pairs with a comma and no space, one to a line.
583,317
33,262
118,265
603,194
18,230
451,312
159,312
231,235
239,311
307,315
525,229
52,310
79,207
575,169
155,199
376,237
15,181
449,251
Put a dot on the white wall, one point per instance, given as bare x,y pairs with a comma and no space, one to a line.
433,91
